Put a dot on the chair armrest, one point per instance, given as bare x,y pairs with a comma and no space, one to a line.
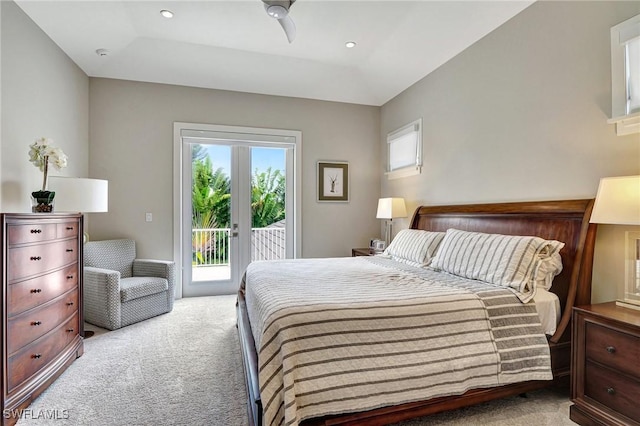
101,295
102,278
153,268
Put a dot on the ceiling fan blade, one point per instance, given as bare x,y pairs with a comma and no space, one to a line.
289,27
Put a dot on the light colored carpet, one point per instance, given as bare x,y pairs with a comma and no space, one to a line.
184,368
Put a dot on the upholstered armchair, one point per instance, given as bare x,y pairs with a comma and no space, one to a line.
119,289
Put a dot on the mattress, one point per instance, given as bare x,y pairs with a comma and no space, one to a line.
548,308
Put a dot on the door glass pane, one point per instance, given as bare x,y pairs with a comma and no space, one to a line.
268,194
211,208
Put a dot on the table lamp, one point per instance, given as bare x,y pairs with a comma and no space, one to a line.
618,203
389,209
81,195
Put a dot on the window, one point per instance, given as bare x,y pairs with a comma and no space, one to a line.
632,53
625,76
404,151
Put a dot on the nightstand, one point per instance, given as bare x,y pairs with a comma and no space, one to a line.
605,367
362,252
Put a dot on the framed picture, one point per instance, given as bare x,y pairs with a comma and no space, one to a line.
333,181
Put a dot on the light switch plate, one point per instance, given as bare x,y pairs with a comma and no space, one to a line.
148,217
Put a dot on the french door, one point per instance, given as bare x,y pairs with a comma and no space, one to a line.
239,205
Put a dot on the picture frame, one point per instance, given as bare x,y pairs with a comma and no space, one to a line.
381,245
333,181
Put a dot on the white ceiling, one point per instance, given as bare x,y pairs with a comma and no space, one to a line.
235,45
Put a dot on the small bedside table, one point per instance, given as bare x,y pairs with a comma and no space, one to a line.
362,252
605,372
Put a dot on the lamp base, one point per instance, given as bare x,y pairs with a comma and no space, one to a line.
629,303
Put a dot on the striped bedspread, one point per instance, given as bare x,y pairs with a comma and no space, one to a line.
353,334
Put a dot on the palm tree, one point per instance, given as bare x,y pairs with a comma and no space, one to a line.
210,201
198,152
267,197
211,204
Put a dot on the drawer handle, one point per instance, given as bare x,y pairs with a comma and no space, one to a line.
611,391
69,277
36,290
611,349
36,356
69,303
69,330
69,228
69,250
36,323
36,231
35,258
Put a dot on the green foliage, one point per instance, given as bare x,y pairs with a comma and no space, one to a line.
210,201
211,195
211,205
267,198
198,152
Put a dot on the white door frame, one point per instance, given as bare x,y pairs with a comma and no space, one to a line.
180,162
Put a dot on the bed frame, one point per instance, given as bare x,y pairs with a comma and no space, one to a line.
566,221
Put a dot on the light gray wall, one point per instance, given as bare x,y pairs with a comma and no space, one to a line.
521,115
132,146
44,93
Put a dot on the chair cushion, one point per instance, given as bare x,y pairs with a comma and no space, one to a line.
135,287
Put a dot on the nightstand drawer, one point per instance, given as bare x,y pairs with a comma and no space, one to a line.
614,349
613,390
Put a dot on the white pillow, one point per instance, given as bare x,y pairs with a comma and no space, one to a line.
414,246
504,260
548,268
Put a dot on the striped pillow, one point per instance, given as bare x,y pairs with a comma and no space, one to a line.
504,260
547,269
414,247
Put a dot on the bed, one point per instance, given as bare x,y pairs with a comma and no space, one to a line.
563,221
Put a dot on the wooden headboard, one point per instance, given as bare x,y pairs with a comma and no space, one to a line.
566,221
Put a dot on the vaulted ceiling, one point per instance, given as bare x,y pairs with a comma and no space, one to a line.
235,45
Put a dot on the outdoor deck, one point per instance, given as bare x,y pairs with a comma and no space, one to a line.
212,245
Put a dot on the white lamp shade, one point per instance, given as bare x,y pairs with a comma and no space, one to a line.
617,201
80,194
391,208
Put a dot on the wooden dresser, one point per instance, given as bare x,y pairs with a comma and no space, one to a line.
605,368
42,304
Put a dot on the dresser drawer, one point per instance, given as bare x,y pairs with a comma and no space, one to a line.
31,260
28,294
25,328
67,229
609,347
31,233
30,359
612,389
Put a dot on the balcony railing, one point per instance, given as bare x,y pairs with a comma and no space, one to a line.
211,246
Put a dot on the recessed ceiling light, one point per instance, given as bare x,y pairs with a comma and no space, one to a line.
350,44
166,13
